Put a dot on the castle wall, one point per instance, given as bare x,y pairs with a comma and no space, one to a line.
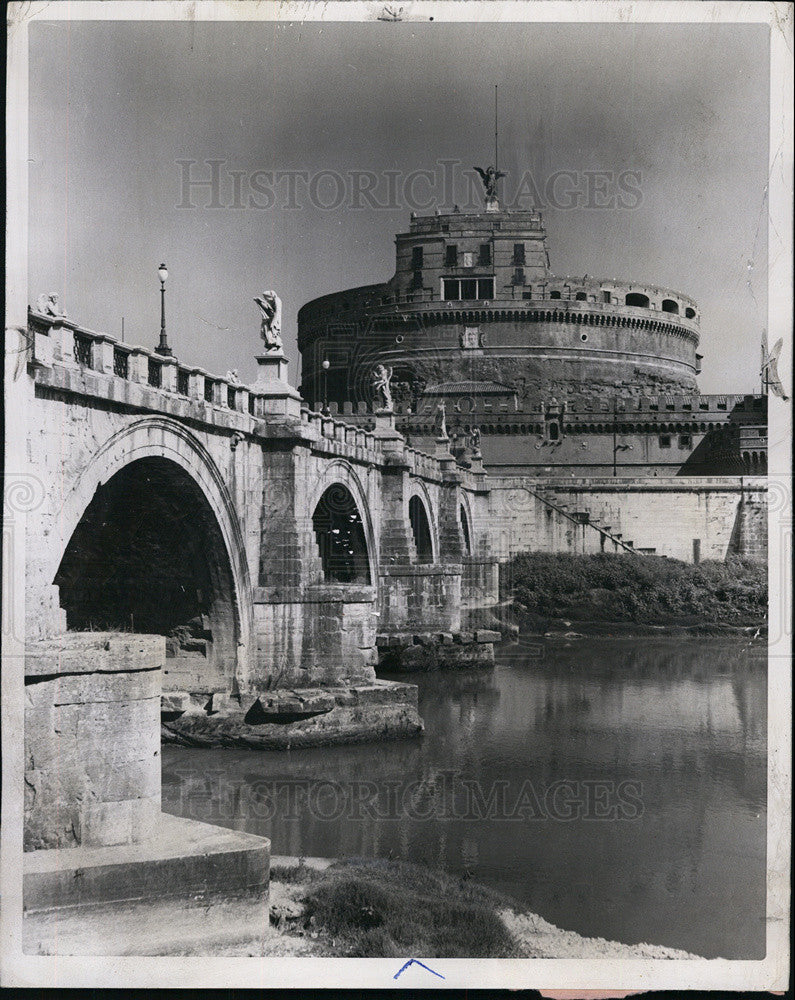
473,297
690,520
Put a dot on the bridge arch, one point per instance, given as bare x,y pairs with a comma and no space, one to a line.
422,522
338,496
153,495
467,525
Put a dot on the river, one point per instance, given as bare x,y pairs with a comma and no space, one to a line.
617,787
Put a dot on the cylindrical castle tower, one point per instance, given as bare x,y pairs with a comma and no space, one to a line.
473,298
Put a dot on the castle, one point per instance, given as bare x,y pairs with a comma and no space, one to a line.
554,376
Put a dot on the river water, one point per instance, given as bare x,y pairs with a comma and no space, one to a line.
617,787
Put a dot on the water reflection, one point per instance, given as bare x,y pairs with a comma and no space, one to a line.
682,722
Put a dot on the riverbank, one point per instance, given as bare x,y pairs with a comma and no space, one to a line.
390,909
635,595
325,909
321,908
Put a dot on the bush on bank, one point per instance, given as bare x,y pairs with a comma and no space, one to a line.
632,588
384,909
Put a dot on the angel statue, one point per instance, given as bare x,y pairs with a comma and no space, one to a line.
381,382
770,376
440,421
490,178
271,330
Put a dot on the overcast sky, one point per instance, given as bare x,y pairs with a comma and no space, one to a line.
115,106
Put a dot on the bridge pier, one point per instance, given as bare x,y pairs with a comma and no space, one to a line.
94,834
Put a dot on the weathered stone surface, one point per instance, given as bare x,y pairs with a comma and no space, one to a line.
436,653
381,710
179,857
92,749
486,635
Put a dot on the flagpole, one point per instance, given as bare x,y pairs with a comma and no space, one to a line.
496,148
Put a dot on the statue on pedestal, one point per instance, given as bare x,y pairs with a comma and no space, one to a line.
271,330
48,305
382,388
474,440
490,178
440,421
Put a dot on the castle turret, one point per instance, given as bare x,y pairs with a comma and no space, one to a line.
473,299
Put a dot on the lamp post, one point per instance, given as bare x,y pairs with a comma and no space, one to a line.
162,347
325,366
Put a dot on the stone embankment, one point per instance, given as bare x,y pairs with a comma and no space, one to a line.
291,719
407,652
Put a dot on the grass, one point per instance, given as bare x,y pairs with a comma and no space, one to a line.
385,909
641,589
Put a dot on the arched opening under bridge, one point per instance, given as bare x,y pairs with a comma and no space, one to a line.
340,537
148,556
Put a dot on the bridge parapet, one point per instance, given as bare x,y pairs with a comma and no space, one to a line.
56,340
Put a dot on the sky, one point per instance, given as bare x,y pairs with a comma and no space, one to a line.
679,112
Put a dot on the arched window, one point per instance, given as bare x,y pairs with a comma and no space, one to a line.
669,306
636,299
580,296
421,530
465,532
340,537
554,295
690,313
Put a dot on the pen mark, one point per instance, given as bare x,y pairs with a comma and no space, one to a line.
416,961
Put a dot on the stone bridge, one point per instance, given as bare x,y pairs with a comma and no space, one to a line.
270,544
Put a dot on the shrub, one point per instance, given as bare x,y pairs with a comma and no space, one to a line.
387,909
647,589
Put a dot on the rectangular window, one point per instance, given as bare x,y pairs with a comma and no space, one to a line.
484,258
121,366
83,350
251,403
451,255
416,258
208,390
605,296
685,441
665,440
155,372
231,395
416,281
518,253
468,288
182,382
518,276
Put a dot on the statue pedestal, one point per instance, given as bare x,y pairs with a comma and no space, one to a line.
442,454
492,205
272,367
273,393
385,426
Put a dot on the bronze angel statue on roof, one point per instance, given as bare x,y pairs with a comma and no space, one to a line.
490,178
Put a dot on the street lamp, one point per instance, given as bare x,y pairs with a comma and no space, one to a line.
162,347
325,366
